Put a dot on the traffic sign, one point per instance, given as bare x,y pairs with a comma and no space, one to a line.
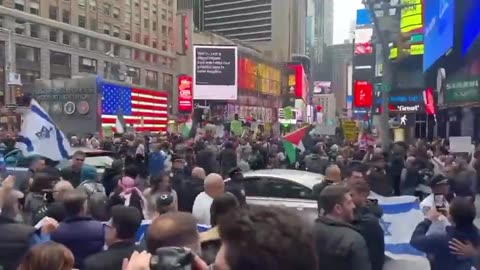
381,87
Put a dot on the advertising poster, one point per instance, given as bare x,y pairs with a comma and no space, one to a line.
215,72
185,93
362,94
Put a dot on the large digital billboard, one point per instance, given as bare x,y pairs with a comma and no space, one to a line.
472,24
215,72
411,17
439,29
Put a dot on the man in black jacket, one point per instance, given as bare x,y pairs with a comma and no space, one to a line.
333,175
120,238
339,245
367,221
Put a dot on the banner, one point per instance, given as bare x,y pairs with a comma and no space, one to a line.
185,93
215,72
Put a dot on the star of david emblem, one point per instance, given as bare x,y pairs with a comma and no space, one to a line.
386,227
44,133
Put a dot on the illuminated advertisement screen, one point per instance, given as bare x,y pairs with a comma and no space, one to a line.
363,41
471,29
411,18
362,94
439,29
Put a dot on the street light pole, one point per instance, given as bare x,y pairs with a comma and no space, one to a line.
384,38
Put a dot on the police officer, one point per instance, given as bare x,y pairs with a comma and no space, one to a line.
236,186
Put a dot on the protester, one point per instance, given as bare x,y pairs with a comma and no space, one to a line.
317,161
177,229
440,189
73,173
127,192
80,233
36,199
165,203
55,209
48,256
159,186
214,187
462,213
236,185
367,217
156,162
227,158
265,238
16,238
333,175
120,234
112,175
210,239
339,245
190,190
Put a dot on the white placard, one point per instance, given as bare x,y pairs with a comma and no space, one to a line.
461,144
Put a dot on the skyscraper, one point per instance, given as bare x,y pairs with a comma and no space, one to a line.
274,27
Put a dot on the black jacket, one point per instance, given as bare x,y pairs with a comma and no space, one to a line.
15,239
112,258
237,188
317,189
188,192
367,222
340,246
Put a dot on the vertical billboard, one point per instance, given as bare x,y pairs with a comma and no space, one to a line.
471,29
411,18
298,80
363,41
362,94
215,72
439,29
185,93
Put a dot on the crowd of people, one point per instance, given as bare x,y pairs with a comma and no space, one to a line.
74,218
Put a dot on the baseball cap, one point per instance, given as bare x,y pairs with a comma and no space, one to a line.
438,180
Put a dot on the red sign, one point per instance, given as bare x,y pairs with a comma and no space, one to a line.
429,101
301,82
363,94
185,93
247,74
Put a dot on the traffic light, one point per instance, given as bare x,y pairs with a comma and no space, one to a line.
404,43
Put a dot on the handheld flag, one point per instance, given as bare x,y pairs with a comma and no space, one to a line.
296,137
120,125
40,136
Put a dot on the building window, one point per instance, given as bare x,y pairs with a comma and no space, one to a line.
93,44
116,13
34,30
164,14
65,16
82,42
20,5
137,37
106,29
106,9
128,2
137,20
127,36
136,3
116,49
146,23
34,7
53,13
20,27
167,82
154,10
154,44
58,58
27,54
128,17
147,57
136,54
28,76
87,65
66,38
155,59
151,79
145,5
154,25
93,4
116,31
145,40
82,21
53,35
82,3
164,29
93,24
134,73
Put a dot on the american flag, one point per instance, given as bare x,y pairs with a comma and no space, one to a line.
146,110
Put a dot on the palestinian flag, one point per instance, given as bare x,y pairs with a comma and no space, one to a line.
298,139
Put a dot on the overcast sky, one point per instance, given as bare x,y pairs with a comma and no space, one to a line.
344,14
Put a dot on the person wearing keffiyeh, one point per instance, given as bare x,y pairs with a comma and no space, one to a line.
128,194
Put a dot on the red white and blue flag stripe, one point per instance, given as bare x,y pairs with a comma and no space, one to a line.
146,110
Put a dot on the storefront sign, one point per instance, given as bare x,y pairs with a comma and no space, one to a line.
402,108
185,93
462,91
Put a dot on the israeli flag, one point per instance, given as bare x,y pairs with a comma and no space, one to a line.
401,216
40,136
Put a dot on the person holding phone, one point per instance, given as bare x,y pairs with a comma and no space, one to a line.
437,199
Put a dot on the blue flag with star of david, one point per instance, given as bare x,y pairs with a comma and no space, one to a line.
39,135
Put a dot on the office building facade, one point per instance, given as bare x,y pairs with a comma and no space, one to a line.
129,41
